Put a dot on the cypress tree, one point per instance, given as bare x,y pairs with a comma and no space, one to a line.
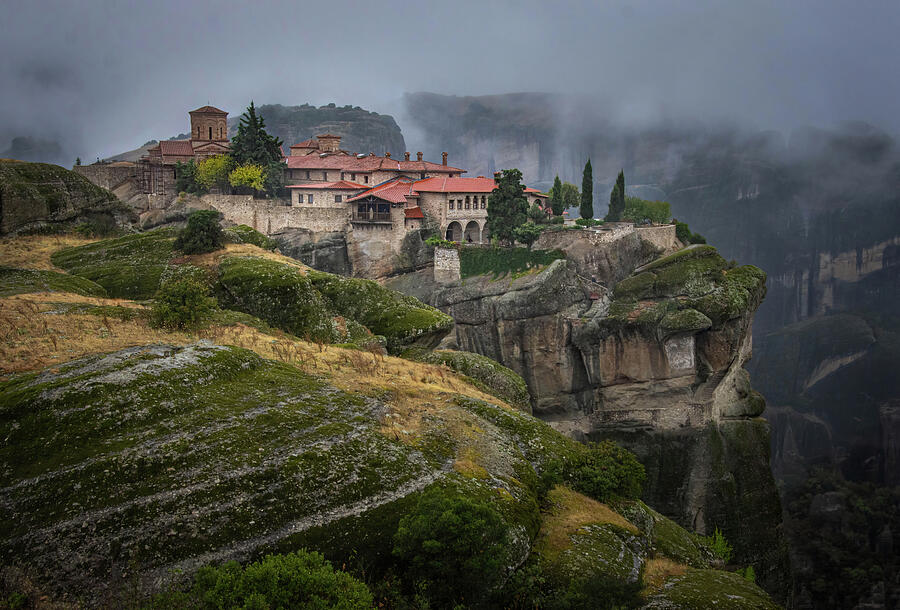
556,201
617,199
587,191
507,206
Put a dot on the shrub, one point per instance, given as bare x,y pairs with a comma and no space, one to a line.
454,547
719,545
528,233
748,573
684,235
588,222
557,220
244,234
202,234
639,210
181,303
605,470
303,580
437,242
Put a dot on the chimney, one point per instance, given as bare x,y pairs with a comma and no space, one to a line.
444,159
406,156
418,156
387,155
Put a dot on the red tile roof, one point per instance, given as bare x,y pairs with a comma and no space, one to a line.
394,190
367,163
456,185
182,148
208,110
306,144
339,185
414,212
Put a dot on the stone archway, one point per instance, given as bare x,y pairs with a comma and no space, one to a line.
473,233
454,231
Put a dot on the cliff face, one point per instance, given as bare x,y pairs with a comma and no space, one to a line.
361,131
657,364
39,196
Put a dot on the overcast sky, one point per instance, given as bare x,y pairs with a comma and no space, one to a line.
105,76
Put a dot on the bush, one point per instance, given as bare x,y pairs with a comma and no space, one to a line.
640,210
437,242
500,261
181,303
454,547
604,471
719,545
557,220
244,234
202,234
303,580
684,235
528,233
588,222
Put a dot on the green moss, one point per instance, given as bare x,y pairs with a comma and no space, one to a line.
638,286
403,320
488,375
501,261
127,267
43,184
19,281
702,589
685,320
243,234
667,538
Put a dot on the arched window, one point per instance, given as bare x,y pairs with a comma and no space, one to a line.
483,202
467,202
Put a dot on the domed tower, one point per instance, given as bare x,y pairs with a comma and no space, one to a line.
209,124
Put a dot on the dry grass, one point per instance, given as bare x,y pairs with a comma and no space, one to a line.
33,251
657,571
211,260
569,512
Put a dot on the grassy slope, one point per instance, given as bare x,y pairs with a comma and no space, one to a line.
133,435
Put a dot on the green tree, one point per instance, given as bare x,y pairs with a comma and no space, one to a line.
639,210
604,471
302,580
250,175
528,233
537,215
507,206
181,304
556,200
453,547
213,171
617,200
587,191
77,160
571,197
253,145
185,178
202,233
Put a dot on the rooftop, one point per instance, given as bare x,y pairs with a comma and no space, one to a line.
207,110
339,185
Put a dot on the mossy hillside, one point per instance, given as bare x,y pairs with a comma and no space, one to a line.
243,234
20,281
689,291
703,589
403,320
184,455
667,538
489,375
127,267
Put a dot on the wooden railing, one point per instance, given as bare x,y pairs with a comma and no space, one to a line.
372,217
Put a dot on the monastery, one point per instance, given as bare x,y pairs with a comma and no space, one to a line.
331,189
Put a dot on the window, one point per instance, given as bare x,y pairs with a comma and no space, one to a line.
325,176
451,204
342,175
338,198
422,176
483,202
309,198
210,133
467,202
367,180
353,176
308,177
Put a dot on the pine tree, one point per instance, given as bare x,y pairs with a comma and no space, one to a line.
254,146
556,199
507,206
587,191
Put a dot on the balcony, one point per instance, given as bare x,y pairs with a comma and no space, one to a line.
371,216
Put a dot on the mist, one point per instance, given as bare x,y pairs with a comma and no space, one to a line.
101,77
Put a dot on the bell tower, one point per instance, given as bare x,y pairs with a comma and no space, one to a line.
209,124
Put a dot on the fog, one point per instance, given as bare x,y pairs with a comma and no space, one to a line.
101,77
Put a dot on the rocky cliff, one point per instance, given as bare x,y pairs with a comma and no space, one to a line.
361,131
39,196
657,363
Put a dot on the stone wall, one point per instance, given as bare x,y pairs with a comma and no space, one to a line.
663,237
106,175
446,265
271,215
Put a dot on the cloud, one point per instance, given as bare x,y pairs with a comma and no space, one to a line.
107,76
